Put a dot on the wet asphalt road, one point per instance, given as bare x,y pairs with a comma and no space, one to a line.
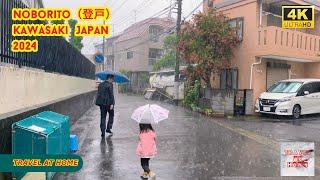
190,146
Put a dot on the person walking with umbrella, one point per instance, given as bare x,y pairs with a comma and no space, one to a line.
105,100
105,97
146,149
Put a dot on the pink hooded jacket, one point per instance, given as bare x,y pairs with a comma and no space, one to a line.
147,145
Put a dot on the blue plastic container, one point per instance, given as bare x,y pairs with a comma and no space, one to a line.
73,143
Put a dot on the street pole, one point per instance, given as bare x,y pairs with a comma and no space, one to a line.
103,49
113,50
177,68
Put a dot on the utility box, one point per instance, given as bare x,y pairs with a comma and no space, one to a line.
63,122
44,133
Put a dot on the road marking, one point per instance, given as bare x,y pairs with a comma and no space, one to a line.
275,145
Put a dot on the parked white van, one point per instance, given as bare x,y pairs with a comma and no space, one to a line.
294,97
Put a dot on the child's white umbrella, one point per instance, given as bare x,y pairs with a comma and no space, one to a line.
150,114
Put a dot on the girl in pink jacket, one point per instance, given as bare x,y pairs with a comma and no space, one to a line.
146,148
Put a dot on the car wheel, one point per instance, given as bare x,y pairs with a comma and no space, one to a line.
296,112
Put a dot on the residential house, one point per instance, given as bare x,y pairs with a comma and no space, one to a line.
138,47
267,52
109,52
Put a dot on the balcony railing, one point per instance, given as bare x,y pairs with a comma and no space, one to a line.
288,43
270,19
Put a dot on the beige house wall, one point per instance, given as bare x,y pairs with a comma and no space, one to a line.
244,54
140,48
296,48
313,70
138,62
22,89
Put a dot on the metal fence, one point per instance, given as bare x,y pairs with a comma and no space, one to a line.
55,53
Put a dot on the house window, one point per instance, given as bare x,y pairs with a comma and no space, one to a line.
129,55
154,55
155,32
229,79
237,23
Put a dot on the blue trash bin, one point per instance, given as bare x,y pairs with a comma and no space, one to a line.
73,143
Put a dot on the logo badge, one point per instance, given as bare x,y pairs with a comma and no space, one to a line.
297,159
300,16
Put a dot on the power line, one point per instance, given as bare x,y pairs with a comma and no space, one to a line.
140,6
115,11
169,30
165,32
191,13
163,11
158,14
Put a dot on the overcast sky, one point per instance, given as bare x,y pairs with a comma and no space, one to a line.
124,12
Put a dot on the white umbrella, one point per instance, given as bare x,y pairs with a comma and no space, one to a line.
150,114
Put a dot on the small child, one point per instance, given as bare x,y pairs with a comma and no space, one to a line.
146,148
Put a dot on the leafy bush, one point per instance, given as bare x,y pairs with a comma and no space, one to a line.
192,95
168,60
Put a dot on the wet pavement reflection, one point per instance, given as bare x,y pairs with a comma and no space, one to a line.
190,146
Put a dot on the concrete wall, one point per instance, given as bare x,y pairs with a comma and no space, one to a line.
223,101
249,102
72,106
22,89
24,93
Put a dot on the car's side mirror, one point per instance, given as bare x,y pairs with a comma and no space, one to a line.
306,93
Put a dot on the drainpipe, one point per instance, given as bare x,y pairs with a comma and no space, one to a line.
260,13
251,73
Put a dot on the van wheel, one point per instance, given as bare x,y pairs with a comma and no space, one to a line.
296,112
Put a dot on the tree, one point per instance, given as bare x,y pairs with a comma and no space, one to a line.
207,42
168,60
75,41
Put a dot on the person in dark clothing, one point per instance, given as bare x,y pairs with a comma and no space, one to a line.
105,100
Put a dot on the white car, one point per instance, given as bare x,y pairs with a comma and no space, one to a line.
294,97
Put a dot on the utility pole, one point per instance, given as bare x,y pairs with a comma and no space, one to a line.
177,68
103,50
170,12
113,50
